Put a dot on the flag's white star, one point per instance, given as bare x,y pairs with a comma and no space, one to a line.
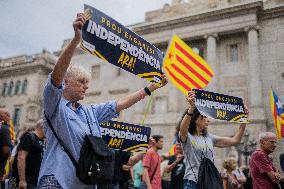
279,104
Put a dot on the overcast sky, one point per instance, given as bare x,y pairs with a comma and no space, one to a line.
28,26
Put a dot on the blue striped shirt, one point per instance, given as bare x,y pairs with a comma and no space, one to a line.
71,126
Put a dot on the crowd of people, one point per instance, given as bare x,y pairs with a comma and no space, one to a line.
40,159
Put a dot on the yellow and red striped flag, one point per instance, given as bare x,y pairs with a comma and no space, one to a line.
172,150
277,109
185,68
12,131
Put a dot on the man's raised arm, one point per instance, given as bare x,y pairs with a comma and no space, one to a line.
67,53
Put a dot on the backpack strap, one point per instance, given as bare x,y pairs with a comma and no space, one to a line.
152,176
187,159
88,121
212,153
60,141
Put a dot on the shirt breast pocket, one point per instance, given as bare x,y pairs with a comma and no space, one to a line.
77,127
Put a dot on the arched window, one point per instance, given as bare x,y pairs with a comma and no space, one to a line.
16,116
10,89
17,87
4,89
24,86
199,51
234,53
96,69
160,105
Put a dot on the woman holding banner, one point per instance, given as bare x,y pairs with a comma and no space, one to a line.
198,143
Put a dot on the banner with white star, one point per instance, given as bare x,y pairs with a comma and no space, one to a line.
277,109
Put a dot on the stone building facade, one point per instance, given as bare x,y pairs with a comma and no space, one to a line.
21,85
242,40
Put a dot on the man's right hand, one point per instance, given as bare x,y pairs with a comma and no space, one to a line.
78,25
22,185
277,177
179,158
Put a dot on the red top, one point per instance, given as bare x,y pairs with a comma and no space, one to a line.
260,164
152,160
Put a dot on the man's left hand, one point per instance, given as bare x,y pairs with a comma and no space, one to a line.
152,86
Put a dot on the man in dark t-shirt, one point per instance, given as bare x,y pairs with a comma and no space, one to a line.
29,157
5,140
176,166
5,147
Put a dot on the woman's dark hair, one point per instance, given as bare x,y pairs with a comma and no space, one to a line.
192,125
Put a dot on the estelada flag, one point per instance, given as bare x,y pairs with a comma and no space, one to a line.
185,68
12,131
172,150
277,108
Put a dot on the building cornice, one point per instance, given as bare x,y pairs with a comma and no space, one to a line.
206,16
25,68
272,13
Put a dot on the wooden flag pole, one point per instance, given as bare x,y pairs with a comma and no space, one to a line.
148,107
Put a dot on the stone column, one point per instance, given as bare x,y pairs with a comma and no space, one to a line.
212,60
255,92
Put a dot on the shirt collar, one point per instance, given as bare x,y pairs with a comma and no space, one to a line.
68,104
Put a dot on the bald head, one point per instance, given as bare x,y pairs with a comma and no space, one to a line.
268,142
4,115
266,136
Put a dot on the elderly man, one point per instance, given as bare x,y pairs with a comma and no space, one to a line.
263,172
5,140
67,85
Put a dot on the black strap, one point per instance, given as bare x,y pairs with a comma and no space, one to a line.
187,159
212,153
154,171
61,142
88,121
203,156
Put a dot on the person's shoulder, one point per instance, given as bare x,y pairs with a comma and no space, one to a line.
28,136
4,131
4,128
211,136
224,174
151,152
258,154
172,158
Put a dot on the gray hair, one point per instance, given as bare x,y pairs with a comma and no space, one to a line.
77,72
265,135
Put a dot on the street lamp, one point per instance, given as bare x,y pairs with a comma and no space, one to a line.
246,146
